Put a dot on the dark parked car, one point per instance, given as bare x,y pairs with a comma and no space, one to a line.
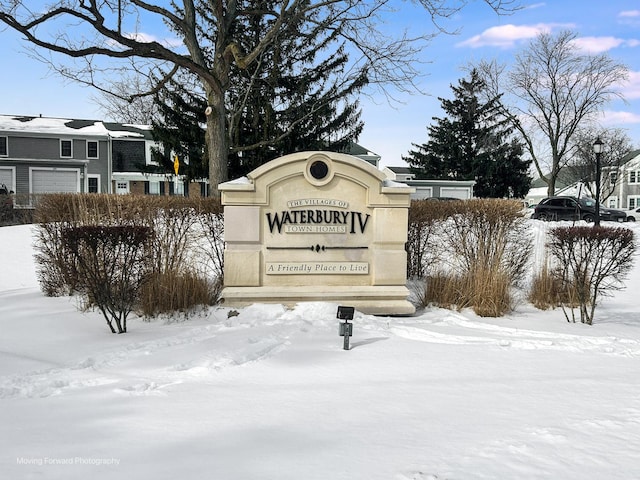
572,208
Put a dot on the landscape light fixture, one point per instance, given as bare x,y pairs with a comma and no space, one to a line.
346,328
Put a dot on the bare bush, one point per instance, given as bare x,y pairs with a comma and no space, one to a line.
185,242
177,291
489,235
545,289
446,291
56,266
111,263
210,244
490,292
12,215
425,220
591,262
471,253
172,220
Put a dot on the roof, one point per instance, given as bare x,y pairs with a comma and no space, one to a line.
630,156
570,174
566,177
129,130
359,150
401,170
71,127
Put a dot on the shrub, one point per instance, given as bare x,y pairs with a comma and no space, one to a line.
479,248
489,292
490,235
425,220
591,262
177,291
9,215
210,241
545,289
56,267
110,262
185,242
442,289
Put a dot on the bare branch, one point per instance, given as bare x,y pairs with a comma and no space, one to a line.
553,89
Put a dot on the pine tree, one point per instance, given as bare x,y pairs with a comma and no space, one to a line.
290,99
181,132
472,143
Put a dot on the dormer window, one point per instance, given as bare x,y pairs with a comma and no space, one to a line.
66,149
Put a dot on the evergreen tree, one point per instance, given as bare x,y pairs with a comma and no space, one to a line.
472,143
290,99
181,132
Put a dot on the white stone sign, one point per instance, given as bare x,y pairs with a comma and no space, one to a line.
316,226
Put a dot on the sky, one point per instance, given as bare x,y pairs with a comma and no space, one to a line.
391,127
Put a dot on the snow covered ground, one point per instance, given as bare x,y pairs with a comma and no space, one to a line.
271,394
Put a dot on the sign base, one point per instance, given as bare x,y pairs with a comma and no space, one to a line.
370,300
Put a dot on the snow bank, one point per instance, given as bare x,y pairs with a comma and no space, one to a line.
270,393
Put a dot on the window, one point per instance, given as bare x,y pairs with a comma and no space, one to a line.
92,149
154,188
613,202
633,201
634,177
3,147
66,148
613,178
93,184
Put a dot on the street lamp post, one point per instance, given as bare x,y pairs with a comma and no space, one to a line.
597,148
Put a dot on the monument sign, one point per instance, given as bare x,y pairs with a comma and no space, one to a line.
316,226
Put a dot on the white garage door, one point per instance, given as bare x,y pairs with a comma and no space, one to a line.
6,177
462,193
55,181
421,193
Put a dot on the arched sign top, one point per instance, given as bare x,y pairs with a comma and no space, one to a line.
317,170
320,162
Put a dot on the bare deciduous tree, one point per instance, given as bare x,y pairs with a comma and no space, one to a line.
583,162
552,90
90,30
123,104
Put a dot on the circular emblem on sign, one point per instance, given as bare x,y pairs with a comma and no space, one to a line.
319,170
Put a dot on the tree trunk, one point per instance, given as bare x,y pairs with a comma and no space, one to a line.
217,144
551,186
553,177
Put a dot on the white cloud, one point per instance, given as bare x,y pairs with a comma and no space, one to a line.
507,36
620,118
629,17
631,88
535,5
597,44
